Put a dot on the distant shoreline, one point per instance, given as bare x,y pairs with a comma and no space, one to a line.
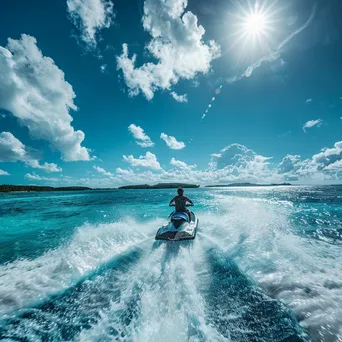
5,188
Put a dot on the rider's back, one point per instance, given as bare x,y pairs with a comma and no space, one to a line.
180,202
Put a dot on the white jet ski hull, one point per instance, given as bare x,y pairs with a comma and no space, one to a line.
185,230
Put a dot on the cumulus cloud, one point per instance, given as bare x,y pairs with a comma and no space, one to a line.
234,164
13,150
328,158
312,123
4,173
102,171
238,162
123,172
142,139
34,90
48,167
337,166
36,177
149,161
237,155
289,163
177,45
182,165
179,98
321,166
172,142
90,17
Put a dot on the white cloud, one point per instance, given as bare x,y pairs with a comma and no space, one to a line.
34,90
13,150
172,142
328,157
48,167
182,165
138,133
179,98
176,44
102,171
4,173
235,164
321,166
308,101
312,123
122,172
149,161
90,17
103,68
289,164
237,155
337,166
36,177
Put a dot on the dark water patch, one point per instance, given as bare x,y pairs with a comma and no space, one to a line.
11,211
58,215
64,316
241,311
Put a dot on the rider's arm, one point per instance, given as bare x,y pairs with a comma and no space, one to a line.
173,199
189,200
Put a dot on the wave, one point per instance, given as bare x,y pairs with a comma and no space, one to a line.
283,259
250,275
183,292
26,282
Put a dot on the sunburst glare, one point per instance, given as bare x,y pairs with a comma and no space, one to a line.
254,24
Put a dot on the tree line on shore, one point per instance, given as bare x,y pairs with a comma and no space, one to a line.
31,188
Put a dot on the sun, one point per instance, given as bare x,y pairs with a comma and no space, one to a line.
255,24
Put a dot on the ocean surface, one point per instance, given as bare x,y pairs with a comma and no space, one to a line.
266,265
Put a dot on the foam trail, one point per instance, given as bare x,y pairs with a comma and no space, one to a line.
299,271
26,282
167,304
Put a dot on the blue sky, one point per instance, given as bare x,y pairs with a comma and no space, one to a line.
104,93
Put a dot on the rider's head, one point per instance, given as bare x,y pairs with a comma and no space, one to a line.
180,191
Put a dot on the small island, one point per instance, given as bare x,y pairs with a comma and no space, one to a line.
160,186
31,188
36,188
244,185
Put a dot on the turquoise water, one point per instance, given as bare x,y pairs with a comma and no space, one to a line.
266,265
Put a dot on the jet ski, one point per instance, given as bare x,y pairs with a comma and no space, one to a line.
179,227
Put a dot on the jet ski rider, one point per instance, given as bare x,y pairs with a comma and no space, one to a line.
180,203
